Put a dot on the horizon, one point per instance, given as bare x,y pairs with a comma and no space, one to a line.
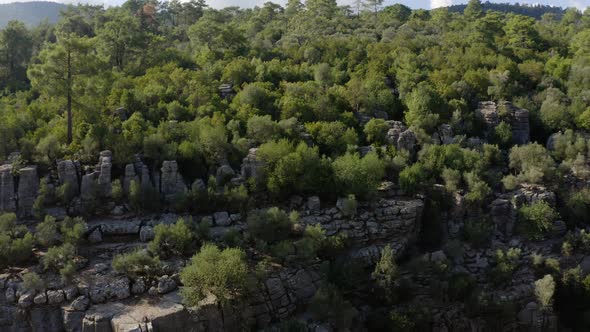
414,4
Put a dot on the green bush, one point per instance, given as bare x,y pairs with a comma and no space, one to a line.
73,230
386,272
532,163
506,264
175,239
47,234
16,243
136,263
376,130
271,225
578,206
358,176
57,258
349,206
537,219
223,273
32,281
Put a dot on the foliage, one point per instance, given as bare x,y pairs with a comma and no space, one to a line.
358,176
537,219
175,239
222,273
33,282
136,263
271,225
386,271
16,243
47,232
506,264
544,290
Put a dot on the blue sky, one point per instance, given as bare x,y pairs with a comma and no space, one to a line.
412,3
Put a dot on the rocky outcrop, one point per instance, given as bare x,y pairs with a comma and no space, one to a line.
386,221
171,183
7,185
491,114
400,136
69,172
28,187
104,168
252,167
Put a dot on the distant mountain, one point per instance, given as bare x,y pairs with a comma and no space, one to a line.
30,13
535,11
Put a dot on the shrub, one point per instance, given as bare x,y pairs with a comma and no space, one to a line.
328,305
349,206
333,138
506,263
478,189
66,193
414,178
386,271
452,179
222,273
57,258
32,281
47,232
358,176
536,219
176,239
272,225
376,130
532,163
578,204
544,290
73,229
117,191
136,263
16,243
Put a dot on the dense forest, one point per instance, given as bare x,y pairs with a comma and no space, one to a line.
448,107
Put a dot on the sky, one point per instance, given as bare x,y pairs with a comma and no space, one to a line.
582,4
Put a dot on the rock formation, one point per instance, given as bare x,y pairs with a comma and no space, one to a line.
171,183
400,136
492,114
7,194
28,187
69,172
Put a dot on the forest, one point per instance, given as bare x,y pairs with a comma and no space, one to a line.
474,104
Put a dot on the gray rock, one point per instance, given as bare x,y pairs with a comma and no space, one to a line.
252,167
10,295
172,183
314,204
28,187
26,299
71,292
120,227
46,318
81,303
146,233
445,132
118,210
138,286
153,291
73,320
438,256
130,175
407,141
7,194
55,297
101,267
166,285
222,218
224,173
69,172
41,298
88,187
198,186
119,288
104,174
489,113
95,236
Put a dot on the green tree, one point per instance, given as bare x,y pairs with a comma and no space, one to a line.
358,176
59,69
16,47
222,273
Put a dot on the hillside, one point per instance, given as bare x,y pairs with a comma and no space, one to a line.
31,13
535,11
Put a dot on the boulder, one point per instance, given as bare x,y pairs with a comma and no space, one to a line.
26,299
171,181
166,285
138,286
146,233
252,167
88,187
55,297
81,303
104,168
95,236
222,218
313,204
445,134
41,298
224,174
28,187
